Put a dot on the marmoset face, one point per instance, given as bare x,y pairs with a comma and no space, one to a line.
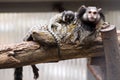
68,16
91,14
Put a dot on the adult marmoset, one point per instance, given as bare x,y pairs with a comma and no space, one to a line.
89,21
57,27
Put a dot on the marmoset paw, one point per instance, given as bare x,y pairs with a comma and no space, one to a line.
105,25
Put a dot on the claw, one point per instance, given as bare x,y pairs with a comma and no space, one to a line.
105,25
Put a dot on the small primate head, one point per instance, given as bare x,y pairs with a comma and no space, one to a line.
68,16
90,14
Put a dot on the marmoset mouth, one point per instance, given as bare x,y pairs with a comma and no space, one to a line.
92,19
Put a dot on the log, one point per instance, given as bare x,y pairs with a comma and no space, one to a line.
29,52
112,54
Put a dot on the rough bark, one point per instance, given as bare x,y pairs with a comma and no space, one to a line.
29,52
112,54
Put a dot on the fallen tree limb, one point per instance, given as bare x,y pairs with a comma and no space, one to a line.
28,53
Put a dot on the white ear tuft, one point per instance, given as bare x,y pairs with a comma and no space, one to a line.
100,9
83,6
63,15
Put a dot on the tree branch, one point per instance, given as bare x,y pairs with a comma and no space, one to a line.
29,52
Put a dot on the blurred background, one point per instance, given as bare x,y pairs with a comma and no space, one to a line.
18,16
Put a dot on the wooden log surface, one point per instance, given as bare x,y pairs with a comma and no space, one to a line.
28,53
112,54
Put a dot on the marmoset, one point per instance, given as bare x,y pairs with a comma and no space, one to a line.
59,25
89,21
68,25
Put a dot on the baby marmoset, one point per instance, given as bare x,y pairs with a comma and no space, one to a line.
59,25
89,21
